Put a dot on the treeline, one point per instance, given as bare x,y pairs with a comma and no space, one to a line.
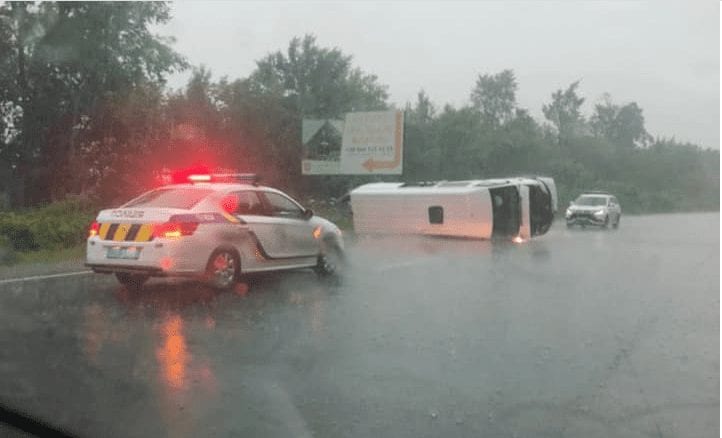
85,112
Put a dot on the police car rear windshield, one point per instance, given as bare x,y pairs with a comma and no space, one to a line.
170,198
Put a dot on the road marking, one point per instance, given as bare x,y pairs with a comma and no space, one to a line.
45,277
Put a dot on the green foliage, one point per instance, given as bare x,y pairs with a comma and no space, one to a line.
316,81
494,96
84,110
67,67
7,252
564,112
74,253
58,225
623,126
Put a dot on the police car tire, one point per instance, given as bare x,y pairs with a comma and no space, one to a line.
327,266
131,281
212,280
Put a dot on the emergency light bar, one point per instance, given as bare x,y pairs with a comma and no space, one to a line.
224,177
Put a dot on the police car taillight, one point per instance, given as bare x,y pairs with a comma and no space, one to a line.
94,228
174,229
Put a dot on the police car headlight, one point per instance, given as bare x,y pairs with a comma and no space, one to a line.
599,213
568,213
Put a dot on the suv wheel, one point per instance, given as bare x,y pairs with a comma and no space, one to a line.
616,223
223,269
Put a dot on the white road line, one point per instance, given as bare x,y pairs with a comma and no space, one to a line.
44,277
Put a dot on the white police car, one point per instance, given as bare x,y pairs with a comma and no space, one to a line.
214,226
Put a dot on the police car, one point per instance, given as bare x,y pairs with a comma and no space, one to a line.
214,226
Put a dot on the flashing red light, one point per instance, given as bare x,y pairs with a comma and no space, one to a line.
94,229
181,176
199,178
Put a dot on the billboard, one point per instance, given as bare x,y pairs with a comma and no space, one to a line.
321,139
365,143
373,143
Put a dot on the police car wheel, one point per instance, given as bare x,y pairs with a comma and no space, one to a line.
329,263
223,268
131,281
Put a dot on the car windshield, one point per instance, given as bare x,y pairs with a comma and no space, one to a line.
184,198
591,201
356,218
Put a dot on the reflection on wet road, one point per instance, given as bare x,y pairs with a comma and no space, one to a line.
590,333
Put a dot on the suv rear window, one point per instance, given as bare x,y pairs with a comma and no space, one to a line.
170,198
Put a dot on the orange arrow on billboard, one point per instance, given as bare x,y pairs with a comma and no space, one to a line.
372,164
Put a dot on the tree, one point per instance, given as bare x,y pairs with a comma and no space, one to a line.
603,121
630,126
421,152
423,111
318,82
463,143
623,126
72,60
495,97
564,112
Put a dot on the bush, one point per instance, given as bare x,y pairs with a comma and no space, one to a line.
15,230
59,225
7,253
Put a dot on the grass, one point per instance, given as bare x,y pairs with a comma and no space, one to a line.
338,215
50,255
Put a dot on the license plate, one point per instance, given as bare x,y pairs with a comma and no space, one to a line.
123,252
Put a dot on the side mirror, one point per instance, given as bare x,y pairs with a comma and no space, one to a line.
307,214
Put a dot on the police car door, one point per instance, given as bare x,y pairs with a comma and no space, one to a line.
249,208
293,233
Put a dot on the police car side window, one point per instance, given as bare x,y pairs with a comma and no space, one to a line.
282,206
248,203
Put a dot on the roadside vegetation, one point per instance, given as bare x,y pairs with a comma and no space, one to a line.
49,233
85,113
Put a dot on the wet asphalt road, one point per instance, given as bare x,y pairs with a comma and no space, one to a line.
576,334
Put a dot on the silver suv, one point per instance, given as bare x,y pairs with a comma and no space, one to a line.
594,208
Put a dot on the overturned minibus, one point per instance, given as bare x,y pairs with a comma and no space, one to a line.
513,208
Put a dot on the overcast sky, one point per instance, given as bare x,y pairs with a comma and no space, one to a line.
662,55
